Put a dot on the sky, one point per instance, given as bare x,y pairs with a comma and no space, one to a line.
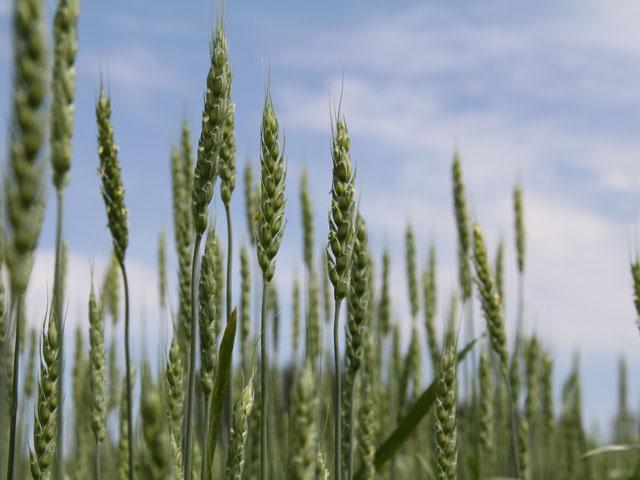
543,93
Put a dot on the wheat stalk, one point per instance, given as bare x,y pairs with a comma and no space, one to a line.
113,196
214,117
269,231
24,184
65,37
339,251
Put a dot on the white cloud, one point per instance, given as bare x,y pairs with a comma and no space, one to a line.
143,294
518,100
136,68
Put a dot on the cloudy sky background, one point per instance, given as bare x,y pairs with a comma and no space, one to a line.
547,93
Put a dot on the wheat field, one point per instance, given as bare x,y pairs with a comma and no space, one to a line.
342,391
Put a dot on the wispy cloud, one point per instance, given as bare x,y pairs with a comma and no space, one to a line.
136,68
534,101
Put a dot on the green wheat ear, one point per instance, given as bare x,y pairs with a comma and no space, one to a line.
270,226
518,208
111,177
635,277
162,270
304,414
24,183
384,306
307,221
462,224
412,276
342,213
208,315
446,425
239,433
490,299
157,465
214,116
65,35
97,368
47,404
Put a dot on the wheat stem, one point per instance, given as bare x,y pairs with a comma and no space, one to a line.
338,390
263,381
16,306
188,443
127,363
229,401
57,293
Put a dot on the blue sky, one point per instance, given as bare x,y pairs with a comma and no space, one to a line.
547,93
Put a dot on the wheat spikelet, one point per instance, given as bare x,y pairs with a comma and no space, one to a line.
24,182
321,471
250,202
384,306
156,466
430,304
499,271
357,299
47,404
341,217
228,156
546,385
65,38
271,200
97,369
182,230
366,413
110,291
518,209
410,266
214,116
245,306
486,412
635,276
219,284
239,433
110,175
462,224
295,319
29,375
446,427
208,316
524,461
490,300
304,413
307,221
313,334
162,269
532,366
174,377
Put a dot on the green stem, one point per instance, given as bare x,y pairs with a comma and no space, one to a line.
188,443
127,363
352,390
57,293
520,319
14,389
96,463
229,401
205,430
338,389
514,419
263,381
